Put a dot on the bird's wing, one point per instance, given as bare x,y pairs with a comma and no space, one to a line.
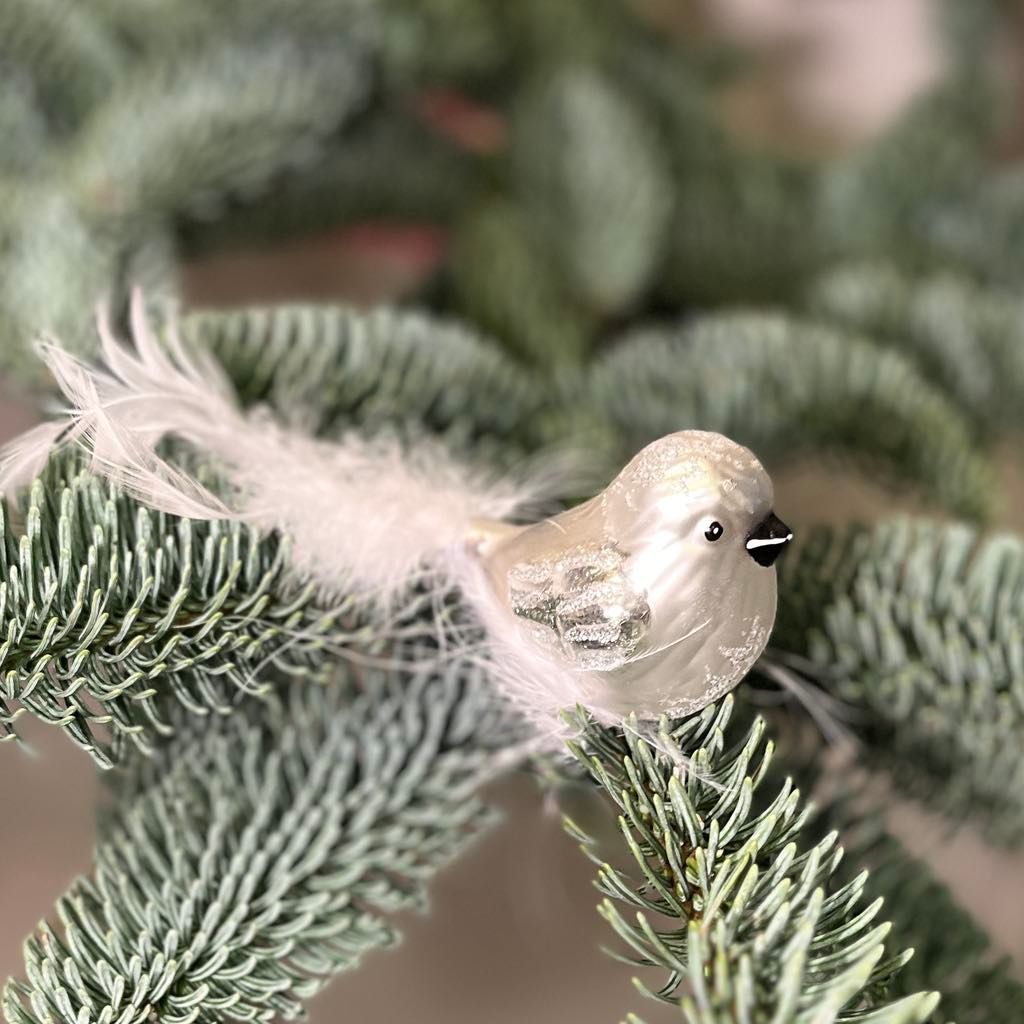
583,602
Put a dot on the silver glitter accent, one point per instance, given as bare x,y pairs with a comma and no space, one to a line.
742,656
739,659
697,462
589,610
633,607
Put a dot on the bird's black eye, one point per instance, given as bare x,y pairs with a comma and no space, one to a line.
714,531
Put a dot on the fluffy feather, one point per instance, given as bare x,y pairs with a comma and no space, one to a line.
364,516
538,686
24,458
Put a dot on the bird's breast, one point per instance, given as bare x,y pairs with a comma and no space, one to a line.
688,661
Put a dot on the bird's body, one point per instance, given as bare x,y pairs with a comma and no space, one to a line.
649,595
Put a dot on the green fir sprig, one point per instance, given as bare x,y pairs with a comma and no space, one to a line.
743,917
109,612
264,854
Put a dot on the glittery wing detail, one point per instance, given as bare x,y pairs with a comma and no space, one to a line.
583,603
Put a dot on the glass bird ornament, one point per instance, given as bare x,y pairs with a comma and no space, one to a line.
654,597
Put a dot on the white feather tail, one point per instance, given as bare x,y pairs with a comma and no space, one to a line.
364,516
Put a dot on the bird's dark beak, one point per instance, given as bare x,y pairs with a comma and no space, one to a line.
767,539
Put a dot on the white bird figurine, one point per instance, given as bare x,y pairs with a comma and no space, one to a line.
654,597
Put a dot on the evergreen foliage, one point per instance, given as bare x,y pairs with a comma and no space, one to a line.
788,388
965,337
951,952
342,369
727,859
261,855
585,202
618,262
749,923
109,610
917,627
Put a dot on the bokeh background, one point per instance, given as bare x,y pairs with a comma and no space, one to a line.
513,934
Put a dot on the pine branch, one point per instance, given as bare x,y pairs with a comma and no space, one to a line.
745,225
967,338
55,268
754,223
599,219
872,204
744,918
735,221
916,626
263,856
787,387
342,368
502,279
182,134
388,166
176,139
71,58
160,28
951,952
110,612
977,230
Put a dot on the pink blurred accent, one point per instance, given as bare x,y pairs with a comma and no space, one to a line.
415,247
456,117
369,263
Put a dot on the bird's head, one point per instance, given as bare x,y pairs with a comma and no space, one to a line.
700,496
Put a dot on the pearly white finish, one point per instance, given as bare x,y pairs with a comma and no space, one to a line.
628,597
